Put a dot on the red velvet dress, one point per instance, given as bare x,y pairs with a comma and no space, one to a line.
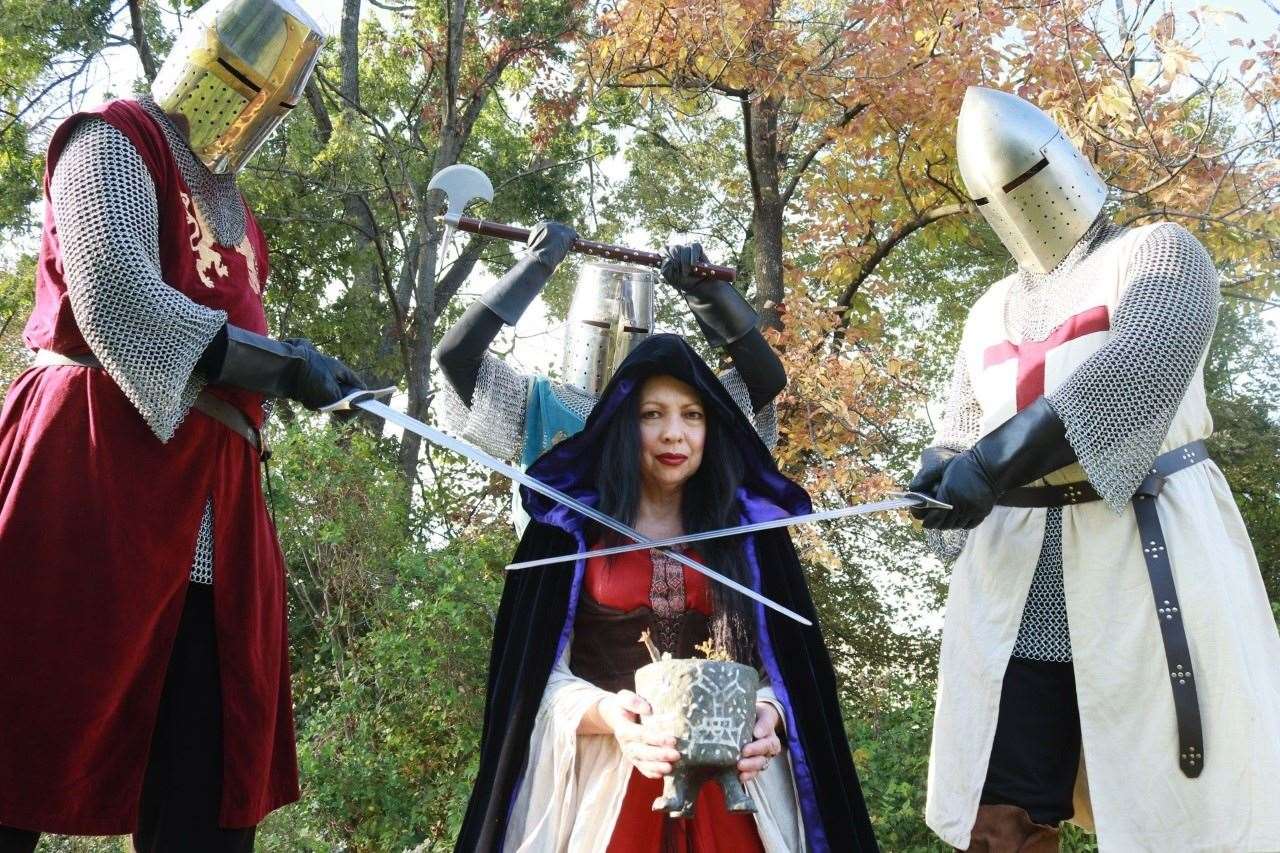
98,521
624,584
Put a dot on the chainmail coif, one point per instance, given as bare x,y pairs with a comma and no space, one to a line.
217,196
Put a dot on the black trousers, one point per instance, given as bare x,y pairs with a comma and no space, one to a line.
1036,753
182,789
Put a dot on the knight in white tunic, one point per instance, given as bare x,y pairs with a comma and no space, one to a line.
1109,655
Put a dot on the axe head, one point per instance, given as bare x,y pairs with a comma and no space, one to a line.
461,185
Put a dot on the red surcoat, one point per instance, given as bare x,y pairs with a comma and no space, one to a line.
98,522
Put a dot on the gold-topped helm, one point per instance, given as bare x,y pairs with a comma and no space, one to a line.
234,74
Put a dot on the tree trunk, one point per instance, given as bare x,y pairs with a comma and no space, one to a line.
368,273
138,26
349,52
422,332
761,128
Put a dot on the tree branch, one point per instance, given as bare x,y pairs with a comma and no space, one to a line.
882,251
827,138
324,125
756,194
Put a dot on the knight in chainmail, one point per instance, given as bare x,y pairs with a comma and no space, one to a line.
518,417
122,508
1086,521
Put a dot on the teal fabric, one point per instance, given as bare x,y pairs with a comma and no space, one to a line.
547,421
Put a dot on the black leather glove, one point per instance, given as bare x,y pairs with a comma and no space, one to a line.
291,368
723,314
1024,448
548,243
933,462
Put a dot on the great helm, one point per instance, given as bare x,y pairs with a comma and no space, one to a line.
234,73
1038,192
611,313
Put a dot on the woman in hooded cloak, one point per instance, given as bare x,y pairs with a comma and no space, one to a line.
565,764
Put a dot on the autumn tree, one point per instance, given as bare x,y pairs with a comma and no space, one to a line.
834,125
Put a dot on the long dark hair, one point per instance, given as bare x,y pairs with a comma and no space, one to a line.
710,502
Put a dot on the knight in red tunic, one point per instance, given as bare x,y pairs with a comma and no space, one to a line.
143,642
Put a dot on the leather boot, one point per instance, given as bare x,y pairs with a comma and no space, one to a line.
1009,829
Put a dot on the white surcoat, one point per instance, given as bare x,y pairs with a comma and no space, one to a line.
1130,789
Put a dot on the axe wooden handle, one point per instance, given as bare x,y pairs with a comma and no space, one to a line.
485,228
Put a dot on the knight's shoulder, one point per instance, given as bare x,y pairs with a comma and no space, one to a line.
1165,233
126,114
996,293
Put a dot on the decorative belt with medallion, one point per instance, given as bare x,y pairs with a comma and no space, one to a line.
1177,651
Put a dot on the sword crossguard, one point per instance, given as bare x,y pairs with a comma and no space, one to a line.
923,501
352,396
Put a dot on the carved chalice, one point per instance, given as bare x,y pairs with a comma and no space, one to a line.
709,706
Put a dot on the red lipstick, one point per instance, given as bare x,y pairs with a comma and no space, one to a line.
672,459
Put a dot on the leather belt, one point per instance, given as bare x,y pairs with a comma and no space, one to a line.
207,403
1177,651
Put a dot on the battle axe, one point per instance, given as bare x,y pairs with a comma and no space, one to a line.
462,184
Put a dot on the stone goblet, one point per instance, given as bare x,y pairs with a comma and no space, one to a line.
709,707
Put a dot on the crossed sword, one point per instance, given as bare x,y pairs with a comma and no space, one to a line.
369,401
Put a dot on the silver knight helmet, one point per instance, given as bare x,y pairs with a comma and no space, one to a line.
611,312
1038,193
234,74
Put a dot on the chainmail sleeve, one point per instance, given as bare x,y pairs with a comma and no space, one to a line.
959,429
575,399
765,421
494,421
1118,405
961,424
147,335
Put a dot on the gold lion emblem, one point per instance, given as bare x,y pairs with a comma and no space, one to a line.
209,260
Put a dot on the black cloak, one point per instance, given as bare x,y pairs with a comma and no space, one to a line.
538,606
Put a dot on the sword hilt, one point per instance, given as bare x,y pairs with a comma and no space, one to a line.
923,501
352,396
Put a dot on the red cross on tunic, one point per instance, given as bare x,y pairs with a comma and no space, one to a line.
1031,354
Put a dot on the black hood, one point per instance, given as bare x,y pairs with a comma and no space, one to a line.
571,465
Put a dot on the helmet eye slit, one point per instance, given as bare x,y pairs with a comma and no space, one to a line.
1025,176
236,73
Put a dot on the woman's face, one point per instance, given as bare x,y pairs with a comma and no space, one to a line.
673,428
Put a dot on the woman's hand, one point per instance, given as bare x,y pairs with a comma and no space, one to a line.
652,753
757,754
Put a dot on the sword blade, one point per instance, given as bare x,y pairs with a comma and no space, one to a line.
903,500
477,455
